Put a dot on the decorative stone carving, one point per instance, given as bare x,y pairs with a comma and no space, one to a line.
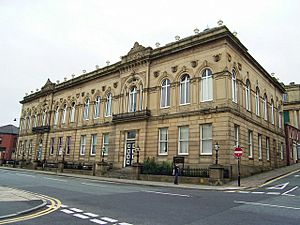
82,94
48,86
61,100
136,52
174,69
229,57
115,84
93,91
165,73
156,73
240,66
217,57
103,88
184,69
194,63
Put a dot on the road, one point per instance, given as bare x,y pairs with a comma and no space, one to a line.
94,202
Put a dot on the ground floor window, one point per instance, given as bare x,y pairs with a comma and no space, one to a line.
250,143
105,143
183,141
82,144
69,141
52,146
163,141
259,147
268,148
206,139
93,144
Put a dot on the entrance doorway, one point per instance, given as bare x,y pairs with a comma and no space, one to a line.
130,147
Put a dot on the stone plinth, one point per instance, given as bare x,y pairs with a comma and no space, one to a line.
101,168
136,171
216,174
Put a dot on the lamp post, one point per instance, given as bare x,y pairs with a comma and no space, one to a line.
217,147
138,154
103,152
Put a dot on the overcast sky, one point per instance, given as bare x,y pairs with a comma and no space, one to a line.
42,39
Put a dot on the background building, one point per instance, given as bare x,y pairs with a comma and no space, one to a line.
8,140
292,122
179,99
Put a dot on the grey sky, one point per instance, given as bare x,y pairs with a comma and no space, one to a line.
42,39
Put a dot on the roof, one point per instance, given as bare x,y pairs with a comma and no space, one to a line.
9,129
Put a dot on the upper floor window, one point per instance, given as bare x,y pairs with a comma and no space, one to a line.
64,114
56,115
280,119
28,123
132,99
234,87
185,89
141,97
97,107
44,117
165,93
86,109
248,95
206,86
72,113
257,102
108,105
265,107
285,97
35,122
272,112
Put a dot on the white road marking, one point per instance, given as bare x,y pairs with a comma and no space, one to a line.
109,219
24,174
264,204
279,186
257,192
273,193
91,214
244,192
165,193
67,211
286,193
94,185
125,224
230,191
76,210
48,178
98,221
81,216
297,175
64,206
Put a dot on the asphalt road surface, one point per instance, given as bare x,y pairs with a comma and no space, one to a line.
94,202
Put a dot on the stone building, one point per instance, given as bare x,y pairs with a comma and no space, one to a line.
179,99
291,106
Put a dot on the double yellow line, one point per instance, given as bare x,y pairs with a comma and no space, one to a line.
55,204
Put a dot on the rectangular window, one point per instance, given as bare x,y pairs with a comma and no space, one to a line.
30,147
236,135
60,144
20,147
106,143
52,146
259,146
69,141
93,144
183,141
82,144
206,139
163,141
281,151
280,119
268,148
25,147
250,143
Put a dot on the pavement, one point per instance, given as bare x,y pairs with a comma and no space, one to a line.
15,202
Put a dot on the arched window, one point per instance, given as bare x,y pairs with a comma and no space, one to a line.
97,107
257,102
64,114
234,87
108,105
44,117
141,97
248,95
28,122
185,89
206,86
165,93
86,109
72,113
56,115
34,120
265,107
272,112
132,99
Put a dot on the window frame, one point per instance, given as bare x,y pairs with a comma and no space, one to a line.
52,146
93,150
185,89
260,154
236,135
69,145
248,96
207,85
268,148
72,112
64,114
86,109
108,105
265,107
257,102
250,144
132,99
180,140
234,86
82,148
272,112
56,116
206,139
163,142
165,93
105,144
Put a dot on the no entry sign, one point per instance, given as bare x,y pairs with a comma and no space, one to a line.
238,152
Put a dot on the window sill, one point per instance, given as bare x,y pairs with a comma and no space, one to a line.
183,153
206,154
184,104
162,154
209,100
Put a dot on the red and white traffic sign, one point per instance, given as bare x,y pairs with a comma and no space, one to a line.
238,152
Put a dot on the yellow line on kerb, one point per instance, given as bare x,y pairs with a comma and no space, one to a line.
55,205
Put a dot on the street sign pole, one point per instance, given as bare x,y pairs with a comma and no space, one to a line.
239,173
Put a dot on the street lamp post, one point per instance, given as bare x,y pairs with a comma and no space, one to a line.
217,147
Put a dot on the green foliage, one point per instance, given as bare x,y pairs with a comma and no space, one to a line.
152,167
